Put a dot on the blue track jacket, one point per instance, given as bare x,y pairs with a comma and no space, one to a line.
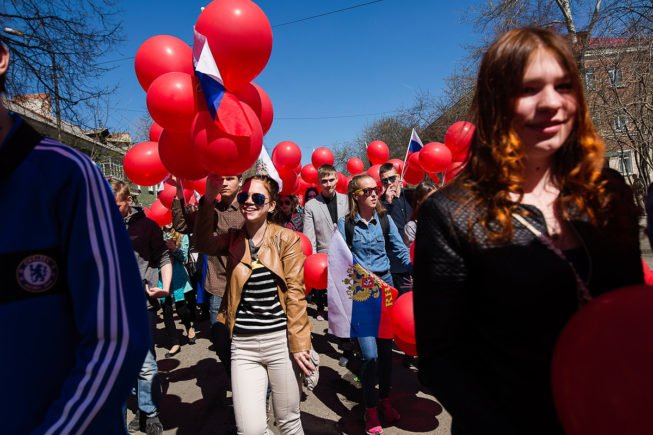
72,311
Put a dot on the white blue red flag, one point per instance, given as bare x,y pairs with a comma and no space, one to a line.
415,143
359,301
208,74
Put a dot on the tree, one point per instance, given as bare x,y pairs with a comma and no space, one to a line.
54,46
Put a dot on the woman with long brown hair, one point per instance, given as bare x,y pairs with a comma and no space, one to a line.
529,231
264,306
370,233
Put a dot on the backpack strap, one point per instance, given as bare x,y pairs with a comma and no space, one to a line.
349,231
385,228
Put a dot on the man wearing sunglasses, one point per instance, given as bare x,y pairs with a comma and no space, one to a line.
320,216
400,210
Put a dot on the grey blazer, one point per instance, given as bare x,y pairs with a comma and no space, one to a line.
318,226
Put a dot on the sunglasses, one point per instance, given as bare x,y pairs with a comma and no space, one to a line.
389,180
257,198
285,202
367,191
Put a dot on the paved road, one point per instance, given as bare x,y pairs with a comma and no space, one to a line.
195,402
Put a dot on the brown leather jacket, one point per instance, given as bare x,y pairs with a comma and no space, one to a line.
280,252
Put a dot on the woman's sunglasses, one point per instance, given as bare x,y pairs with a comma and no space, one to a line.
367,191
257,198
285,202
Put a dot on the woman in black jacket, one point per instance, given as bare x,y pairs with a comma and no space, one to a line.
506,253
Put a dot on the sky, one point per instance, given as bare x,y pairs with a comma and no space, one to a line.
328,77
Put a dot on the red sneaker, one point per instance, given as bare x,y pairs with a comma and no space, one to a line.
390,415
372,423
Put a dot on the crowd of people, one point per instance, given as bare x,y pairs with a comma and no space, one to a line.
533,228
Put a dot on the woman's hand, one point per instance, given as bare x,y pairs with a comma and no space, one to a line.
304,362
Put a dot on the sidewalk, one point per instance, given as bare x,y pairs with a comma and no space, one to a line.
194,393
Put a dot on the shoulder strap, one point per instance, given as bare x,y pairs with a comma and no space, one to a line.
349,231
385,227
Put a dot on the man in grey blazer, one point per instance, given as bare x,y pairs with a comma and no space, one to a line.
320,218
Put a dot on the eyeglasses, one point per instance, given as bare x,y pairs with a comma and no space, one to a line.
367,191
391,179
285,202
257,198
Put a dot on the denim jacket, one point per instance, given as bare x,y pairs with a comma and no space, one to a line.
368,244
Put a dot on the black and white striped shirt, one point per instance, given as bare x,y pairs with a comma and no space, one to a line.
260,310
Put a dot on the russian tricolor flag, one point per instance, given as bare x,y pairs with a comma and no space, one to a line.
415,143
359,301
208,74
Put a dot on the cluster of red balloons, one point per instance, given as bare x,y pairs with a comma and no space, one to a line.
447,158
186,140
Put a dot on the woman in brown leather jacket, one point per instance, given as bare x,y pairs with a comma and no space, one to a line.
530,230
264,306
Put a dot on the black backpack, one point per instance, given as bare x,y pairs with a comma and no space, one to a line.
385,227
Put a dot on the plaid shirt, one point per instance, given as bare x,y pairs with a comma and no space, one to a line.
226,217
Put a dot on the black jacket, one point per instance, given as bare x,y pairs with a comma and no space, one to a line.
487,315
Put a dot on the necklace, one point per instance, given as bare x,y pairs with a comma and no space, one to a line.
251,239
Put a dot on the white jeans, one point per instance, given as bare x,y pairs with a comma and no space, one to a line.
255,361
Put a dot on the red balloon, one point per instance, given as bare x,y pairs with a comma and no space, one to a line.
169,193
413,176
177,154
258,99
403,319
453,170
160,214
355,166
398,164
290,183
309,173
434,177
240,38
143,165
435,157
405,347
413,162
198,185
286,155
322,156
222,153
373,172
159,55
155,132
378,152
341,185
601,367
307,247
171,100
316,271
458,138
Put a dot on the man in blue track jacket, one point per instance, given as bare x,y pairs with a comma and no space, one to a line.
73,324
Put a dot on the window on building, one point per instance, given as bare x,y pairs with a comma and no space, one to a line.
620,122
616,78
625,162
589,78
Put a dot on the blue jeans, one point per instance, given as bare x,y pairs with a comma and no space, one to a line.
376,367
148,388
376,355
214,307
